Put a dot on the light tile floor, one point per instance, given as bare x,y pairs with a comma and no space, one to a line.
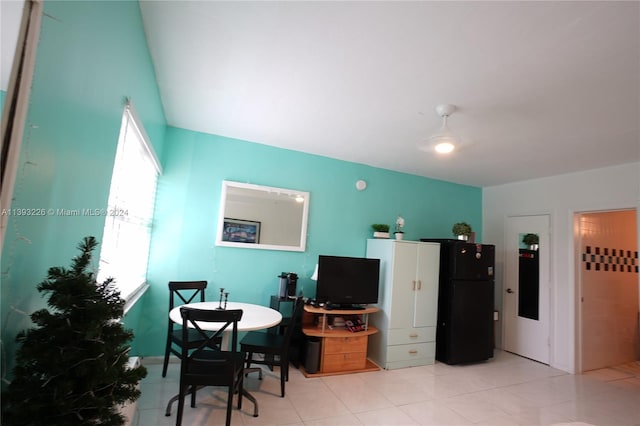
506,390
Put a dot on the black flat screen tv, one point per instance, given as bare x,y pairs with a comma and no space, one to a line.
347,282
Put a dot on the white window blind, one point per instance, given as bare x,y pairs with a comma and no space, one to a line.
127,230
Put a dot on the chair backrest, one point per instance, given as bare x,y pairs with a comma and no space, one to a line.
209,355
295,317
183,292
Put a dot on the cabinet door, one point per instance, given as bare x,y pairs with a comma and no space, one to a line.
404,285
426,296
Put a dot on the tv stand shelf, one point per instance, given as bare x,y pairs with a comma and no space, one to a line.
337,312
342,351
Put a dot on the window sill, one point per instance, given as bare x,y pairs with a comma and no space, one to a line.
134,297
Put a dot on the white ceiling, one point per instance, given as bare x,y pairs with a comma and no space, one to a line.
543,88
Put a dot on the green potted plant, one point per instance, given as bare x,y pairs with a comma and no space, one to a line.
531,240
461,230
380,230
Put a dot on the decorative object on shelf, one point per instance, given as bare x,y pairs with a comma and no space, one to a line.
226,297
399,233
531,240
461,230
361,185
380,230
353,323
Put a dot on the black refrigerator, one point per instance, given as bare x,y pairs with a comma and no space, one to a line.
464,332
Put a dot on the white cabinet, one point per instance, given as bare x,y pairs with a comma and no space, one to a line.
408,302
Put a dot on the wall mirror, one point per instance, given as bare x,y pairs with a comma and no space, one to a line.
529,276
262,217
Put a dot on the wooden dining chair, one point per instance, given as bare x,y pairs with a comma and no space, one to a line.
275,347
181,292
209,364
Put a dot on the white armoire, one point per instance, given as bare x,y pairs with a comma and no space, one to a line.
408,302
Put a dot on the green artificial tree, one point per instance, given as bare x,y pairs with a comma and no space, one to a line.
71,368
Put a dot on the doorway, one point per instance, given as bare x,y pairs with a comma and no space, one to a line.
526,286
606,247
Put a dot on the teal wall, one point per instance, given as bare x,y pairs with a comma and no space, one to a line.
340,216
91,55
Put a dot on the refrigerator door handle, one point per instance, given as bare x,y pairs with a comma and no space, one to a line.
414,285
419,284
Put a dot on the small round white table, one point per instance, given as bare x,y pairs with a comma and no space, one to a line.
254,317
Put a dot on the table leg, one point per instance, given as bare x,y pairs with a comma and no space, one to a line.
225,341
244,392
177,397
252,399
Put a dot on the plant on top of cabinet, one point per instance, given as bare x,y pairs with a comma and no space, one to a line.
380,230
462,230
399,233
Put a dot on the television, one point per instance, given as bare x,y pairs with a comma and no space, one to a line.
347,282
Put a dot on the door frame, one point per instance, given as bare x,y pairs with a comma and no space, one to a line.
550,274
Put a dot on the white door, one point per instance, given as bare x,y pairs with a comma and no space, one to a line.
426,295
526,288
404,284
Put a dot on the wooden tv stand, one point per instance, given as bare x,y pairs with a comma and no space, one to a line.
342,351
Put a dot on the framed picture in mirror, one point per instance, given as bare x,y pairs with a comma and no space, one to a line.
241,231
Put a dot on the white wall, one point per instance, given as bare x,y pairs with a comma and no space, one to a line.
560,196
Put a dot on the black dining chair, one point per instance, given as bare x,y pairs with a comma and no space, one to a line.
275,347
181,292
209,364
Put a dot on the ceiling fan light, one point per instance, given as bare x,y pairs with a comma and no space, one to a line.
444,141
444,147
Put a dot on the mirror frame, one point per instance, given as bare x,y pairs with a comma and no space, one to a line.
223,202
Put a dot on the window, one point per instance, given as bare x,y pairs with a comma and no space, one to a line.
14,108
127,230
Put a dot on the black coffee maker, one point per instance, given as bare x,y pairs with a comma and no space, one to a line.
288,283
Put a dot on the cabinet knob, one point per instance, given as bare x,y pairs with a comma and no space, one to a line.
413,352
419,284
413,335
414,285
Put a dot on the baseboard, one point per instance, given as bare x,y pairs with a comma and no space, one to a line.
153,360
130,410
